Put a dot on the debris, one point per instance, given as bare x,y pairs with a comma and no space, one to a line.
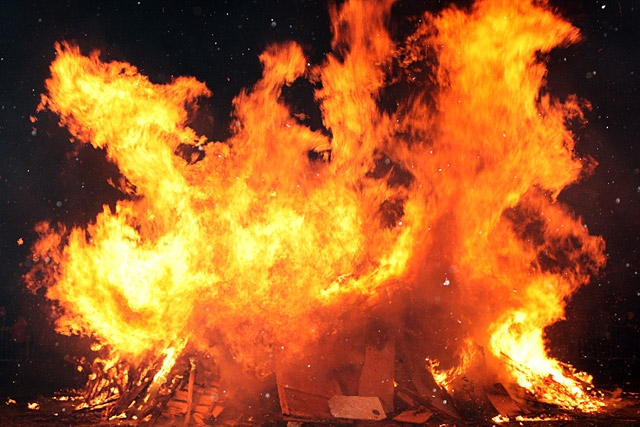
303,392
356,407
416,387
302,404
414,416
216,411
502,401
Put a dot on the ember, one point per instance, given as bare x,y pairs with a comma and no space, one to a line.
402,262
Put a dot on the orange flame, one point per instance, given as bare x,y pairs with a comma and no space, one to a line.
445,377
265,245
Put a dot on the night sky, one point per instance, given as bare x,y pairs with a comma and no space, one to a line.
45,177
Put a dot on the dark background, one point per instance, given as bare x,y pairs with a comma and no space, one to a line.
45,177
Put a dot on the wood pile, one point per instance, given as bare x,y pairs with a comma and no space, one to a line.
378,384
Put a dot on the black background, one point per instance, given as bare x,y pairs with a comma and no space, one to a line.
45,177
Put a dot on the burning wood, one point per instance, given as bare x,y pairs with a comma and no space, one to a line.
262,246
356,408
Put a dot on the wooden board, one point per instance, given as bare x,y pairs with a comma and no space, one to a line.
377,377
357,408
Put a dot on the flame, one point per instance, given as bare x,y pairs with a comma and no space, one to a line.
445,377
521,343
262,241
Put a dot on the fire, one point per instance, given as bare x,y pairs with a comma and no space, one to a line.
521,344
444,378
262,242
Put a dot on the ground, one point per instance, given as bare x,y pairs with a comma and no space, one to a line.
50,392
56,413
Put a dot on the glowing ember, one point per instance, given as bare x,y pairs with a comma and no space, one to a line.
503,419
262,242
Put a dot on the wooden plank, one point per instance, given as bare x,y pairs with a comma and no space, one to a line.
502,401
192,378
407,397
174,411
175,406
377,376
202,409
180,395
206,399
427,392
301,404
304,390
217,410
282,386
414,416
357,408
198,419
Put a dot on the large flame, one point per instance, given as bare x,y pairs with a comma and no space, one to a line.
450,194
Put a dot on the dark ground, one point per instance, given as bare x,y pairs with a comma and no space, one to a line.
57,414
